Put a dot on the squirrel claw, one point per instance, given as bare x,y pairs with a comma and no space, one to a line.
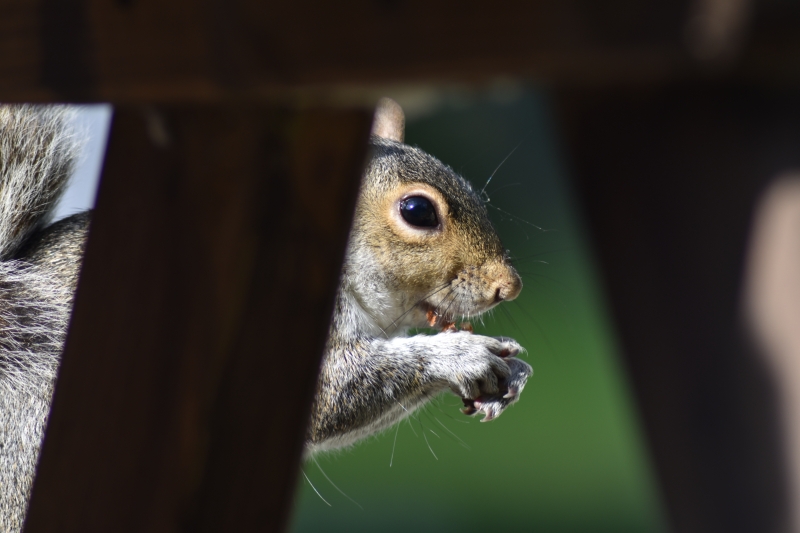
489,415
512,393
511,350
469,407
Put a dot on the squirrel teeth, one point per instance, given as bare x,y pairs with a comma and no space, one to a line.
431,317
448,326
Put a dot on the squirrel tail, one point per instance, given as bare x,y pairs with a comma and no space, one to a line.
38,273
38,151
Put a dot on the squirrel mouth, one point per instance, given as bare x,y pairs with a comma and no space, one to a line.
433,318
444,322
445,313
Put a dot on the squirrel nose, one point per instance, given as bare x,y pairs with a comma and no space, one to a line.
507,286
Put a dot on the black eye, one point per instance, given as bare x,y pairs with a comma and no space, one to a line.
419,211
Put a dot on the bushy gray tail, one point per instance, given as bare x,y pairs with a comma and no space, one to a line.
38,149
38,273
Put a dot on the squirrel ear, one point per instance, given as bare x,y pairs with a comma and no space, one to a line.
389,121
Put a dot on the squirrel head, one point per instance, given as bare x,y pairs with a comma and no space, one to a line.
422,247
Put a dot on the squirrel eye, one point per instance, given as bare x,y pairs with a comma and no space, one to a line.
419,211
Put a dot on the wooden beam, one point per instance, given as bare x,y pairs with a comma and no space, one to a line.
184,50
213,50
200,319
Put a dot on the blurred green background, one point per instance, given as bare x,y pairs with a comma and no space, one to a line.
569,457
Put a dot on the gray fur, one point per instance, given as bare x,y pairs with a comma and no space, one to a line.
37,153
394,279
373,374
38,274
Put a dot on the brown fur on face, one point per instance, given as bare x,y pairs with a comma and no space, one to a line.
459,267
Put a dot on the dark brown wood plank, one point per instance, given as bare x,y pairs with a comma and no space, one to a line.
669,179
200,319
212,50
175,50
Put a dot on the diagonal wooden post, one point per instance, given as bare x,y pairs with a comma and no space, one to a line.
669,178
200,318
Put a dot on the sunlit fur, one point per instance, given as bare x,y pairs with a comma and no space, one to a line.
398,277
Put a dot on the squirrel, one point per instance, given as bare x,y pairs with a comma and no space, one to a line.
421,253
39,266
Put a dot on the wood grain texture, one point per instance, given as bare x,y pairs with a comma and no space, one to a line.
200,319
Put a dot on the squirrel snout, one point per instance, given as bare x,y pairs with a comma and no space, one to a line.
508,289
507,284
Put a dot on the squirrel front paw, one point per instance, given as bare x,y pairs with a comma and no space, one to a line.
483,371
492,406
